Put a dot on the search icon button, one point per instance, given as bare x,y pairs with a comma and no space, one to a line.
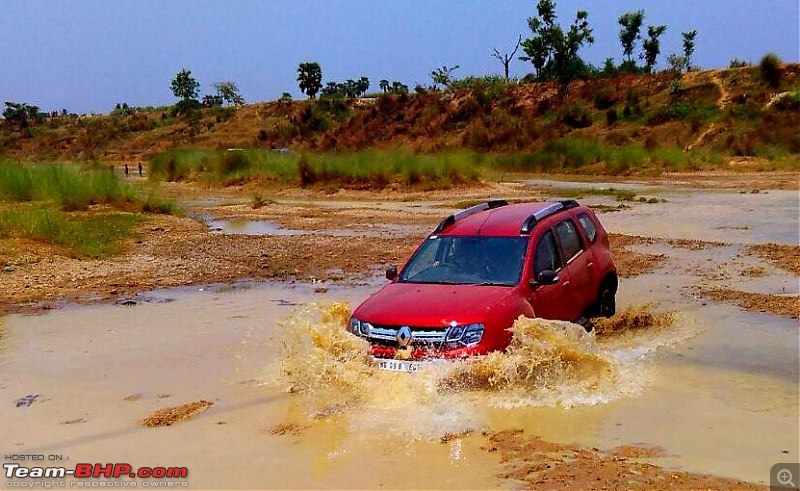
784,476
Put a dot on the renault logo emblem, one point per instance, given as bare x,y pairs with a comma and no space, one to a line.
404,336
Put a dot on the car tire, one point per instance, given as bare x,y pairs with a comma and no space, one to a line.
606,301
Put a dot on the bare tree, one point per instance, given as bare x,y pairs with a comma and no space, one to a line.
506,58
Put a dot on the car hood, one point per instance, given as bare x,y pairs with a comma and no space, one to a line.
430,305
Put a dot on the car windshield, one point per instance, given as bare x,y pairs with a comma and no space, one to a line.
467,260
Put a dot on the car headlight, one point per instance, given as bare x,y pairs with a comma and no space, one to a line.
359,327
472,334
464,335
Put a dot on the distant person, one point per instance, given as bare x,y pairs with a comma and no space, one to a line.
140,169
127,172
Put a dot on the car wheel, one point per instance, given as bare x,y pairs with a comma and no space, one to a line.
606,302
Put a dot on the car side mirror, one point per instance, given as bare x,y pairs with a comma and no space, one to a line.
391,273
546,277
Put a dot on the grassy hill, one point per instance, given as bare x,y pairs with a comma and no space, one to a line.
621,124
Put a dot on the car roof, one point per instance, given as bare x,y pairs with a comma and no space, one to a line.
502,220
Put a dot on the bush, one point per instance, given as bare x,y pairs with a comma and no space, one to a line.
307,175
650,142
477,136
185,106
786,101
611,117
737,63
576,116
604,97
231,163
771,68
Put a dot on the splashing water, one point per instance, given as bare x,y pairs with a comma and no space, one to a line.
549,363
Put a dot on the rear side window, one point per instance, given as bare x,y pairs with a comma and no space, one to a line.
588,226
569,239
546,254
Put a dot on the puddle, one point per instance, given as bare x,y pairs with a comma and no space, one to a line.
251,227
724,215
267,227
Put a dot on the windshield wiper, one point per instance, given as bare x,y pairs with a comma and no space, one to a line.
489,283
430,282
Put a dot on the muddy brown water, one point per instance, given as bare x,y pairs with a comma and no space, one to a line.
718,390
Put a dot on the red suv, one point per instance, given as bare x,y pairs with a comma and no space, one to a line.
481,269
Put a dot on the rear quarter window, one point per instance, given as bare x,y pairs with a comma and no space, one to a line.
588,226
569,239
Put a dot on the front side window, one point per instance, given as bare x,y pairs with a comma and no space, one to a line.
467,260
546,254
569,239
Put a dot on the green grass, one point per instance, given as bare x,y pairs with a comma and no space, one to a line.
581,156
379,169
71,188
81,237
49,203
369,169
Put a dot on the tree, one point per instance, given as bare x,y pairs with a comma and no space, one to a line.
21,114
184,86
506,58
350,88
608,68
331,89
539,47
631,23
688,47
384,85
652,46
362,86
538,54
229,92
212,100
553,52
444,76
771,69
676,62
398,88
309,78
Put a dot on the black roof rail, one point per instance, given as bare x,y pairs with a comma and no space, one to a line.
530,222
569,203
452,219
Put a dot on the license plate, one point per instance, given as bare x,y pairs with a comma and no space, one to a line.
404,366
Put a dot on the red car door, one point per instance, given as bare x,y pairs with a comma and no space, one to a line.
579,265
550,301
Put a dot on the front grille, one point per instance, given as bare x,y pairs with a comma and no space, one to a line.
420,336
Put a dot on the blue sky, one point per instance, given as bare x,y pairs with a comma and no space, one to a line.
88,55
